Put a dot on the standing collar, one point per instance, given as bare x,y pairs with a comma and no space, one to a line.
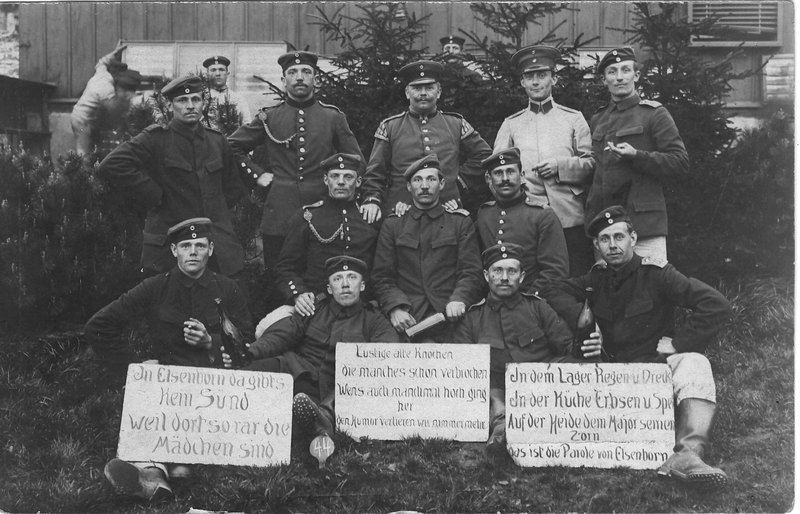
433,212
505,204
423,116
627,269
340,312
510,302
221,90
187,130
187,281
300,105
627,103
544,106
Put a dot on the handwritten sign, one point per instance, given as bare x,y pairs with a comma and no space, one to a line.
206,416
595,415
391,391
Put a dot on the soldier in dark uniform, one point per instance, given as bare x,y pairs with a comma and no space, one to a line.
519,327
637,147
179,171
322,230
423,130
633,304
184,327
298,133
427,261
514,217
305,346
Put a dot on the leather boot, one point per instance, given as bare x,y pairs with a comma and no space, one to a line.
148,483
308,417
693,427
496,444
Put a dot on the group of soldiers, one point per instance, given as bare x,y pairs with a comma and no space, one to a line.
370,250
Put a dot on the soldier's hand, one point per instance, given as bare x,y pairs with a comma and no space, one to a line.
451,205
622,150
227,362
455,310
401,319
265,179
304,304
665,346
593,346
371,212
401,208
547,168
195,334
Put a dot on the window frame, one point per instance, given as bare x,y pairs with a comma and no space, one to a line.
777,41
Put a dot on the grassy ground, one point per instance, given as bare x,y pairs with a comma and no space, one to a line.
60,427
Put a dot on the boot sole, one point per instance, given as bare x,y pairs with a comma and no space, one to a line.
713,479
303,412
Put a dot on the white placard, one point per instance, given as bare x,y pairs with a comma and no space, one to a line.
593,415
391,391
206,416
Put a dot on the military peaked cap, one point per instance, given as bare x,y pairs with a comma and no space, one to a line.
193,228
421,72
298,57
501,251
345,263
182,86
127,79
501,158
217,59
606,218
450,40
614,56
430,161
535,58
343,161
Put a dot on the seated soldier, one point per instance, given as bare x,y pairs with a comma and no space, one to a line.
184,324
305,346
319,231
427,262
519,327
633,303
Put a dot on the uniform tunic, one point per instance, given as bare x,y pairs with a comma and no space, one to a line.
425,260
558,132
405,138
166,301
634,307
307,344
323,230
522,328
314,131
533,226
636,183
178,172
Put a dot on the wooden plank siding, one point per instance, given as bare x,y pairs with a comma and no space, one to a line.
61,41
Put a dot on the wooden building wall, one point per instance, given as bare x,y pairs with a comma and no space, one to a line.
61,41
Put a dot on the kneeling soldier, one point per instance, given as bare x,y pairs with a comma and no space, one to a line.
633,303
181,308
519,327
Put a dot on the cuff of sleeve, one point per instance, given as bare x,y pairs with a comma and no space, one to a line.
372,199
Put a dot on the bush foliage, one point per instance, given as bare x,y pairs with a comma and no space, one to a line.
68,244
